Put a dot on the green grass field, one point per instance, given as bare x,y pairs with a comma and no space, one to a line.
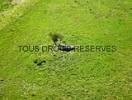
73,75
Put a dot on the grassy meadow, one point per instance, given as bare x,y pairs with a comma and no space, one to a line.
71,75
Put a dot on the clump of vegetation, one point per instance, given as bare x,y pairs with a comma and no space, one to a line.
39,62
5,4
56,37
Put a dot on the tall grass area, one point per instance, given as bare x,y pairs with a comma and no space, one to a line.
4,4
10,10
72,75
